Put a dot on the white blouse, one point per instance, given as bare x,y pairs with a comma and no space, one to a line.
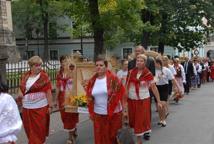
10,120
143,90
34,100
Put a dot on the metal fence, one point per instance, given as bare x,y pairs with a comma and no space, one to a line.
14,72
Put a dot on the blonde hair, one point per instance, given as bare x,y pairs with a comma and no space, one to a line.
165,58
141,48
34,60
144,57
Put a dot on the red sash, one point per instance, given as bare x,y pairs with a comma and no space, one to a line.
115,93
61,81
43,84
146,75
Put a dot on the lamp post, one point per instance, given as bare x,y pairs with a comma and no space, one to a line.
81,41
38,35
26,45
38,46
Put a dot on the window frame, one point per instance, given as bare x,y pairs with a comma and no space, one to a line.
126,48
57,54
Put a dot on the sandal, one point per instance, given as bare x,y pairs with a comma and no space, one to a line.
69,142
73,139
75,133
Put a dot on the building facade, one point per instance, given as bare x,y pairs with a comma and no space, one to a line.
64,44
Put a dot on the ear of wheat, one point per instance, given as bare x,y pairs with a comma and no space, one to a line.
152,54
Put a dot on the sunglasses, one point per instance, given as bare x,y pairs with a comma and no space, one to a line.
37,65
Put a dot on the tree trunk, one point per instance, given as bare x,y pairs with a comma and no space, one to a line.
45,23
43,5
161,47
145,40
146,16
97,28
162,34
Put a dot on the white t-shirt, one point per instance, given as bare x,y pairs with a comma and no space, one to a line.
122,75
10,120
100,94
172,69
163,76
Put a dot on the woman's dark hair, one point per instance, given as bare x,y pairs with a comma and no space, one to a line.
159,60
62,58
3,86
102,58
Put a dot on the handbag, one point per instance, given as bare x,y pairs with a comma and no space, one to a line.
125,134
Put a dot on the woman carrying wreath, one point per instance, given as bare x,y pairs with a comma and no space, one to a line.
63,86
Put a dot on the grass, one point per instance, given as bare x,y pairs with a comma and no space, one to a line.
13,79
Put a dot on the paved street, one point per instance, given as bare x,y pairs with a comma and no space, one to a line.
190,122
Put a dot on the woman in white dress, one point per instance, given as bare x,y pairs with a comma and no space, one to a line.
10,120
180,78
122,74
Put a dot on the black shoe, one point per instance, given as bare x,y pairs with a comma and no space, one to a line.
163,124
146,136
176,100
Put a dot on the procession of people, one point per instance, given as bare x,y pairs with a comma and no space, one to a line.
112,97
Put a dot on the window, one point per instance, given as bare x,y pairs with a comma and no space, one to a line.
30,54
154,49
77,51
53,54
126,52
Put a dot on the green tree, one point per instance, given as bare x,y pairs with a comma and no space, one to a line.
188,28
176,23
109,22
149,16
37,17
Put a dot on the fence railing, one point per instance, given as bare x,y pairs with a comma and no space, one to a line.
14,72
